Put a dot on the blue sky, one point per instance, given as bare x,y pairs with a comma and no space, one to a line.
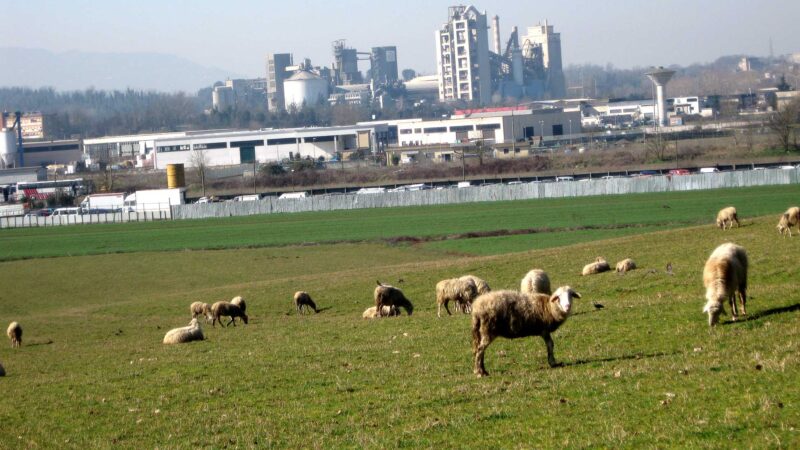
236,34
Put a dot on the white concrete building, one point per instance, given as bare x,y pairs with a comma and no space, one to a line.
135,147
549,42
462,57
243,147
492,125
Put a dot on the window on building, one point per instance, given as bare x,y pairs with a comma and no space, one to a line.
558,130
488,126
209,145
529,132
461,128
239,144
436,130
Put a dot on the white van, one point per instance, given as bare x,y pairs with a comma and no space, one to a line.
293,195
708,170
246,198
463,184
67,211
565,178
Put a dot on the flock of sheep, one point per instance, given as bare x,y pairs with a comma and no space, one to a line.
534,310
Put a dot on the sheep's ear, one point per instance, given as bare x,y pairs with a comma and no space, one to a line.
554,297
575,294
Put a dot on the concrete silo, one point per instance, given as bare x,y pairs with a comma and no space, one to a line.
305,87
8,148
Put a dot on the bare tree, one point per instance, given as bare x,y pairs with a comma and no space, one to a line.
783,124
199,160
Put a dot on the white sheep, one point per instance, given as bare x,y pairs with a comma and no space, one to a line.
14,333
181,335
789,219
598,266
239,301
385,294
303,301
726,217
458,290
513,314
200,309
725,275
625,265
372,312
535,282
226,309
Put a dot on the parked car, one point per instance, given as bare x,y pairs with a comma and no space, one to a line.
565,178
679,172
70,211
708,170
246,198
286,195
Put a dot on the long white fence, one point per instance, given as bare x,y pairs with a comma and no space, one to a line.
271,205
79,219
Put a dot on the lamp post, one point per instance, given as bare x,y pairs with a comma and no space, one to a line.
570,132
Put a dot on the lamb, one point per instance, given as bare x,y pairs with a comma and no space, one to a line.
483,288
535,282
14,333
302,299
391,296
512,315
724,275
239,301
789,219
726,217
371,312
600,265
458,290
200,309
625,265
181,335
220,309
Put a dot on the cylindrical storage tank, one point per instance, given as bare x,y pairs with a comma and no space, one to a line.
304,87
175,176
8,148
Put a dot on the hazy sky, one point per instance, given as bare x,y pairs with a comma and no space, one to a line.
236,34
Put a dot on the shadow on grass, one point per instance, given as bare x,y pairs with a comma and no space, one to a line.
766,313
33,344
619,358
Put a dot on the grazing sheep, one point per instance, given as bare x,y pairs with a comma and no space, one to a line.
626,265
458,290
220,309
14,333
388,311
513,315
600,265
483,288
181,335
239,301
391,296
789,219
200,309
535,282
301,300
725,274
726,217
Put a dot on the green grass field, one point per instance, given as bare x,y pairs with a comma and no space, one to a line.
644,371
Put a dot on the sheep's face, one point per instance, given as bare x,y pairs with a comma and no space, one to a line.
193,323
564,296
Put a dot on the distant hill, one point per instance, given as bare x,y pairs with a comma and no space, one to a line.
74,70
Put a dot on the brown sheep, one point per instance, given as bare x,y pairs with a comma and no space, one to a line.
303,301
14,333
725,275
789,219
458,290
513,314
535,282
391,296
226,309
726,217
239,301
600,265
626,265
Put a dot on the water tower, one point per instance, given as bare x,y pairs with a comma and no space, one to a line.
660,77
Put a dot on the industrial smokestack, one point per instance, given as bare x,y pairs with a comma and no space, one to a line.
660,77
496,33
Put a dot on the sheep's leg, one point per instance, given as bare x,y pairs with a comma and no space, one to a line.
483,336
447,308
551,359
734,311
439,310
743,299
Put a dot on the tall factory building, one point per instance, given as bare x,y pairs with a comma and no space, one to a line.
463,57
276,75
345,64
383,65
543,37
